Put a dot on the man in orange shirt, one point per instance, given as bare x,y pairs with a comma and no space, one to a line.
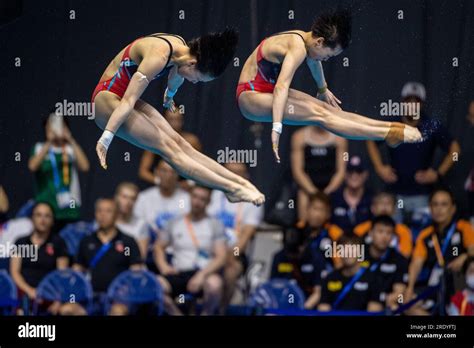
384,204
441,248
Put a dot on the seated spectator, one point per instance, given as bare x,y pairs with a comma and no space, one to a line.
126,196
409,172
55,164
199,254
462,302
176,120
38,254
241,221
445,244
390,268
352,287
351,203
162,202
306,262
383,203
4,205
10,230
317,163
107,253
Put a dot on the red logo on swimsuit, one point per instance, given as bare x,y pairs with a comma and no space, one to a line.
119,247
49,249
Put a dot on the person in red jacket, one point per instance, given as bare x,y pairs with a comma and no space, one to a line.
462,302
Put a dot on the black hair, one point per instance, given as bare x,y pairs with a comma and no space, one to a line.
208,189
38,203
335,27
214,51
442,189
383,220
320,196
348,239
467,263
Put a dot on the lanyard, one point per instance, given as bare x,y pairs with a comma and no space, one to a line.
348,287
103,249
54,164
376,265
441,251
315,243
191,232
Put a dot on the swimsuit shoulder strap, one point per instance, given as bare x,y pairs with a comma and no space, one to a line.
174,35
259,50
288,32
160,36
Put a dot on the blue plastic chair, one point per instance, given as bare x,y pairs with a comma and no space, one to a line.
64,286
72,235
133,288
277,293
8,294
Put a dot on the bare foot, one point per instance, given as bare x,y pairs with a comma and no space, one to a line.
244,194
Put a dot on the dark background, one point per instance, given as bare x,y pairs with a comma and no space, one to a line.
63,58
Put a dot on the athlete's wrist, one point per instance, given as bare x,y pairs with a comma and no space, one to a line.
277,127
323,89
106,138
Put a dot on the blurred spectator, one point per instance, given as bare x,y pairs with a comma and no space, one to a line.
107,252
409,172
353,287
384,203
390,268
4,205
306,262
160,203
10,230
55,163
351,203
441,249
317,163
462,303
38,254
126,195
469,185
199,254
241,221
176,121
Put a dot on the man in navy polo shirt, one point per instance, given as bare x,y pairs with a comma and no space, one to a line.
108,252
351,203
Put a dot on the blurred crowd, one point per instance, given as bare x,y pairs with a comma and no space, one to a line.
404,249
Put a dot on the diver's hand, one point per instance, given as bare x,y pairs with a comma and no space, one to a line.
330,98
276,131
102,146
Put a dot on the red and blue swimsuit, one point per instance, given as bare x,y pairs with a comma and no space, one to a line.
118,83
267,74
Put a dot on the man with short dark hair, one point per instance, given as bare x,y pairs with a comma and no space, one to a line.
107,252
389,267
383,203
352,287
